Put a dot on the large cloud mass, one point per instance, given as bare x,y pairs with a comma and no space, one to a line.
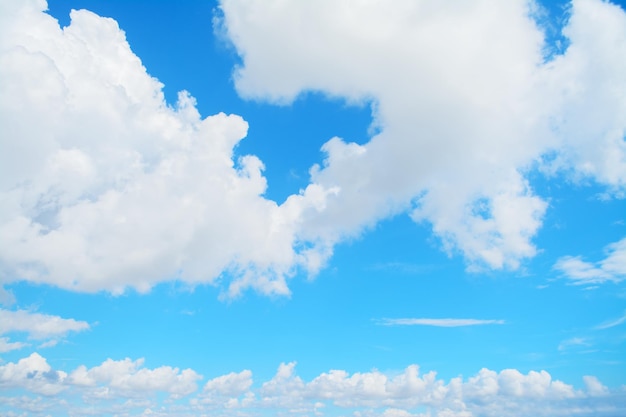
105,186
467,101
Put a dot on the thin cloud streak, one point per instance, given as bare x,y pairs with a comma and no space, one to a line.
437,322
612,323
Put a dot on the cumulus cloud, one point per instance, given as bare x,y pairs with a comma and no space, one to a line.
610,269
233,384
129,378
437,322
114,188
126,387
116,385
34,374
466,103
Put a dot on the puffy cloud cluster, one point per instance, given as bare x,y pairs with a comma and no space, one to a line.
129,378
105,186
127,387
37,326
110,380
466,102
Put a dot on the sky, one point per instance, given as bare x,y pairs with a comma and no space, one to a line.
330,208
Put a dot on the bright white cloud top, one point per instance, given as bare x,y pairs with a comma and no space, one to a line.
487,394
107,187
462,117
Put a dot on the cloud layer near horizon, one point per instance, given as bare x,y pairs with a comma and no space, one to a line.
127,387
113,188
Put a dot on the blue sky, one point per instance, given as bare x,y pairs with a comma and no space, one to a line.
246,208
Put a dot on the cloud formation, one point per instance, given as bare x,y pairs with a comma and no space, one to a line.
114,188
37,326
466,101
610,269
126,387
438,322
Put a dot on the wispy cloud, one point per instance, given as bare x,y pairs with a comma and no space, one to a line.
437,322
573,342
612,323
612,268
6,345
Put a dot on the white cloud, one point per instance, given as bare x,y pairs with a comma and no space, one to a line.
465,103
612,323
6,345
37,325
127,388
610,269
112,188
7,298
594,387
573,342
34,374
129,378
437,322
233,384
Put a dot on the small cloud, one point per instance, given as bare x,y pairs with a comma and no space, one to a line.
610,269
612,323
187,312
49,343
37,325
437,322
43,327
573,342
594,387
7,346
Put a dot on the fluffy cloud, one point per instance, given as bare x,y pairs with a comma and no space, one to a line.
129,378
33,374
37,326
126,387
611,269
233,384
466,103
231,391
114,188
116,385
